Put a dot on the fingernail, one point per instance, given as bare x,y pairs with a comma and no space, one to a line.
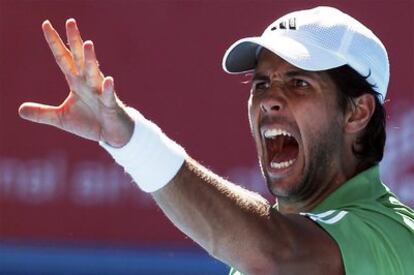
109,82
46,22
88,44
22,112
71,21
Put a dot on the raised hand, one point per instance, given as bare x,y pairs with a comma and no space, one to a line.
92,109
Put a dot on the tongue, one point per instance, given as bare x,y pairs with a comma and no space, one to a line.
289,151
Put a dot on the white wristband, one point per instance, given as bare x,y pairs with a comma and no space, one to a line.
150,157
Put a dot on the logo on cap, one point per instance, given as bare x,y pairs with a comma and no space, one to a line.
286,24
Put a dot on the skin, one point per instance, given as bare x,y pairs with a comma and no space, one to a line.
233,224
283,96
92,109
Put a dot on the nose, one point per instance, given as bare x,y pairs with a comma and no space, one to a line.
272,103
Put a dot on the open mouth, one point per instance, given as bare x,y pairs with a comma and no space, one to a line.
282,148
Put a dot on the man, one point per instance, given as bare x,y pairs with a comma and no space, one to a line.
316,115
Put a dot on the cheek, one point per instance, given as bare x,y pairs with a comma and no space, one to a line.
253,113
313,122
317,115
318,124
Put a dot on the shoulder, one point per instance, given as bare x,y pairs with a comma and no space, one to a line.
373,239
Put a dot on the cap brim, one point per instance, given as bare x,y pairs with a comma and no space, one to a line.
242,55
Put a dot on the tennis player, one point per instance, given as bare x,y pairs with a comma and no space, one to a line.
317,117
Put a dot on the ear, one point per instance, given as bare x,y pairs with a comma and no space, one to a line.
359,113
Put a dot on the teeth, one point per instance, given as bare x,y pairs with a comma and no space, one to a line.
284,164
273,133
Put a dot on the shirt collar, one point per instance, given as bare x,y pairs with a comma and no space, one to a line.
364,186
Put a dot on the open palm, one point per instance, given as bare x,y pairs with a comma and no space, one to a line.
91,110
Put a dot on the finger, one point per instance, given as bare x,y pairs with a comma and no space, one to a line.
40,113
75,43
108,92
62,55
93,75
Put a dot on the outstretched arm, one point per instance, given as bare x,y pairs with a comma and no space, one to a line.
235,225
242,229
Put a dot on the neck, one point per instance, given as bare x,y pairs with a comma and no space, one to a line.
317,192
292,206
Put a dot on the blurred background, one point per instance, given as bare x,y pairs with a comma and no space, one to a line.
66,208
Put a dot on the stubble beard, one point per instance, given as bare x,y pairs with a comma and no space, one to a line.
316,174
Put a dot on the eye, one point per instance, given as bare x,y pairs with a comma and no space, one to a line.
260,85
300,83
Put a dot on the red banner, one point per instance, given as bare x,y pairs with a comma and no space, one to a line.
165,57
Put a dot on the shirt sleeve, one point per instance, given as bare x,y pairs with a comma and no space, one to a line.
366,247
370,242
234,272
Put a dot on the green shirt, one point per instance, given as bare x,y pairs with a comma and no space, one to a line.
373,229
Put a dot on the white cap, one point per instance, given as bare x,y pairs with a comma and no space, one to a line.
315,40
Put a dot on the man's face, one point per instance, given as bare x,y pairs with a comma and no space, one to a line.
297,126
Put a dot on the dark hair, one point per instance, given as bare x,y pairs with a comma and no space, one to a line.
369,147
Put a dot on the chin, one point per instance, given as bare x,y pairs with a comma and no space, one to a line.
284,188
285,183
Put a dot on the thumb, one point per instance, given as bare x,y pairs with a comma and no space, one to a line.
40,113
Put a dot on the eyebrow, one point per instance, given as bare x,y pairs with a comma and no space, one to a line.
260,76
302,73
291,73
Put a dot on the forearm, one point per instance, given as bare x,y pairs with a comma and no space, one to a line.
228,221
235,225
